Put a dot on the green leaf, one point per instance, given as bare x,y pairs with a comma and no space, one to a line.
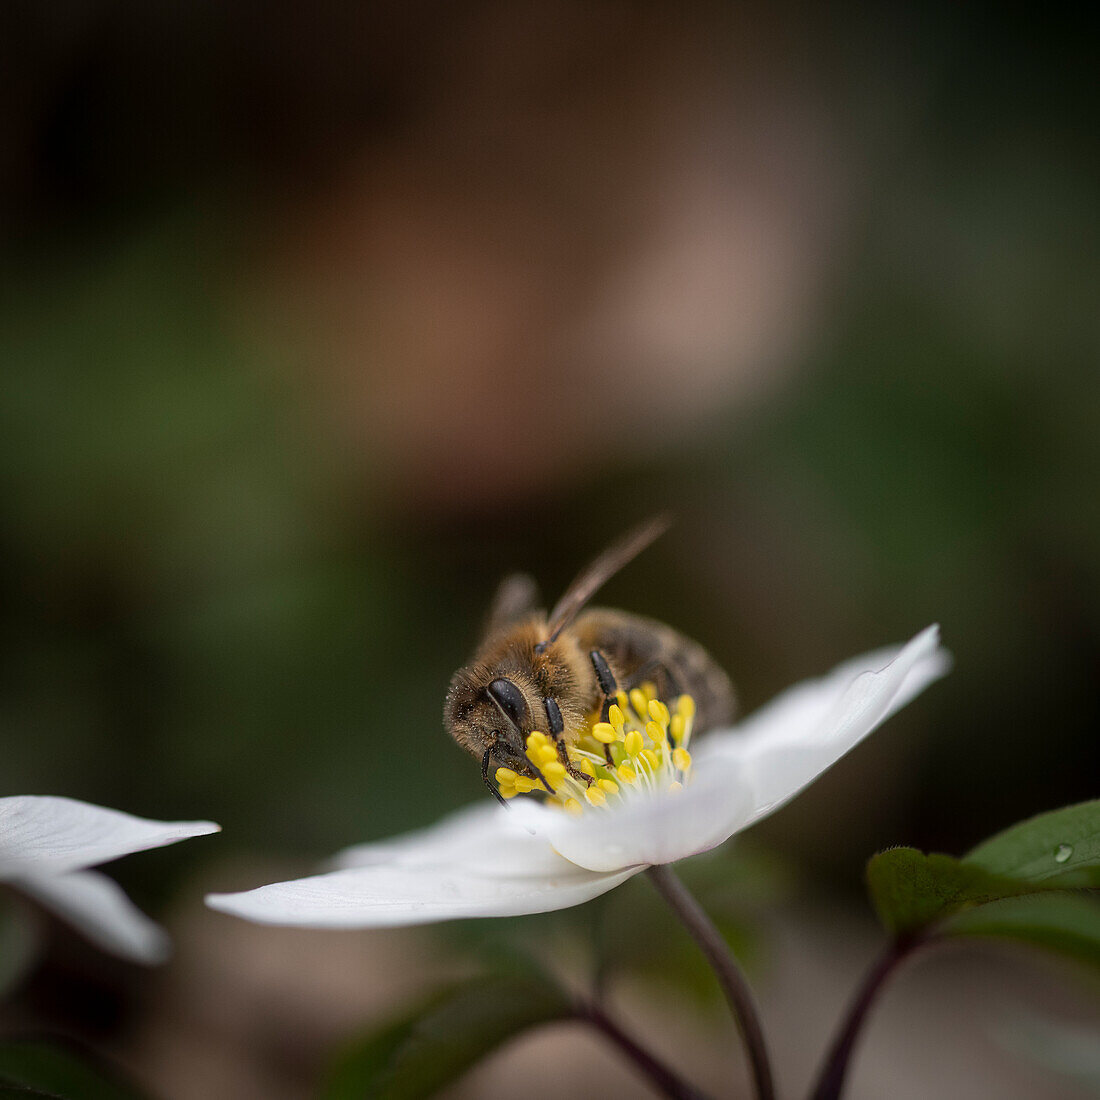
910,890
416,1056
1060,848
1066,923
60,1071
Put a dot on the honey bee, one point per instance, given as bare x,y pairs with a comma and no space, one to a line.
534,671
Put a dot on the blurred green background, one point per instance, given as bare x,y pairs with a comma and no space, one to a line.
314,323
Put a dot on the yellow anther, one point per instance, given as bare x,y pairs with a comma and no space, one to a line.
586,766
658,712
657,734
685,705
545,754
615,717
633,743
651,758
505,775
609,785
626,773
639,702
535,740
554,771
649,689
676,785
681,759
605,733
573,807
525,785
595,796
621,699
676,727
508,792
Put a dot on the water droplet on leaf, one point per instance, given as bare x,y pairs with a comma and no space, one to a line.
1062,853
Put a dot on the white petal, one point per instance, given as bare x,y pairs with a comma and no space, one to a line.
652,828
388,896
787,744
97,906
483,836
47,835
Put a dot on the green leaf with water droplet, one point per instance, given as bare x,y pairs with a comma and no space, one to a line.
417,1055
1066,923
1056,849
1059,850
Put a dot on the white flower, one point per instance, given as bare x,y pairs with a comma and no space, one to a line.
46,846
531,857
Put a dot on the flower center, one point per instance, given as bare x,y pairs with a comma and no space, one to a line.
643,746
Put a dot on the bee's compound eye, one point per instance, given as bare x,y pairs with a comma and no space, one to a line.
510,700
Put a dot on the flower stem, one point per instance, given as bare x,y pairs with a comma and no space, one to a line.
664,1078
831,1081
729,974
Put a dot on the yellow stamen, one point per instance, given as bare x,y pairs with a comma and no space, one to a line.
649,690
642,746
658,712
605,733
555,771
544,754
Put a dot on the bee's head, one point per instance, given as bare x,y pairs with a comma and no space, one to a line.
493,715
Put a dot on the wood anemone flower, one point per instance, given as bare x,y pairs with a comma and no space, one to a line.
653,802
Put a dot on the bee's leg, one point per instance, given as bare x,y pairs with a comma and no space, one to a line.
557,728
488,782
608,686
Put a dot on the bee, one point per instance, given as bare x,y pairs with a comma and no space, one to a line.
534,671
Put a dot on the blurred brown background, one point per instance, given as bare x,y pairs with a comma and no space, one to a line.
315,320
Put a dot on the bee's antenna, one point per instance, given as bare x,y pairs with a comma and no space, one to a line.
593,576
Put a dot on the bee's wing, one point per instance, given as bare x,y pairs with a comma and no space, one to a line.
606,565
516,596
